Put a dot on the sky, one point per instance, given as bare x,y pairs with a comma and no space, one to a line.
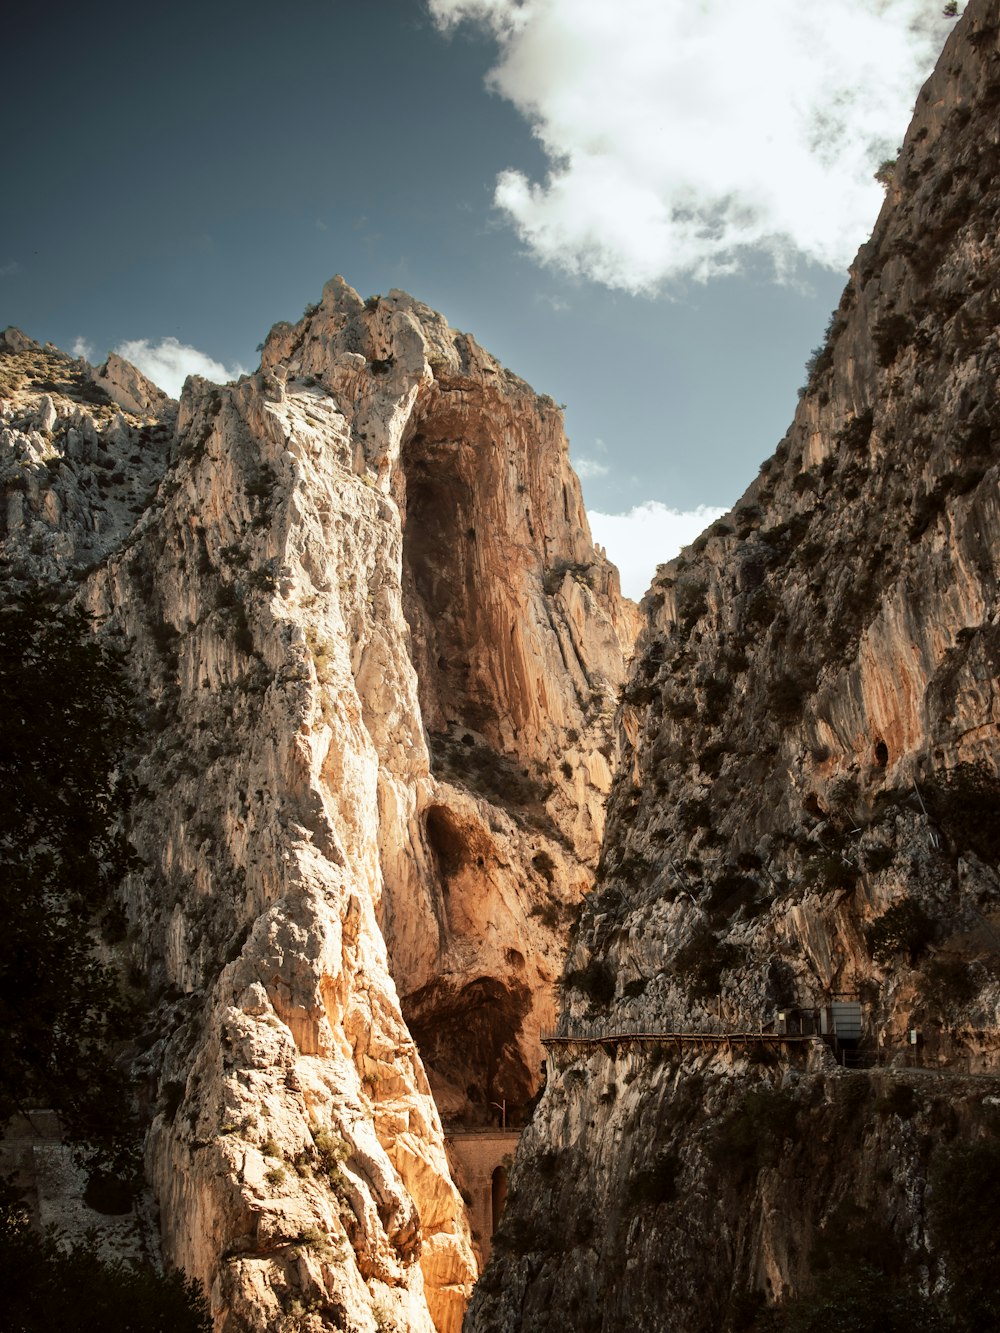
646,208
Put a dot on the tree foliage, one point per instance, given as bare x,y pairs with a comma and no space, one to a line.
965,801
46,1287
964,1204
67,720
905,928
862,1284
859,1299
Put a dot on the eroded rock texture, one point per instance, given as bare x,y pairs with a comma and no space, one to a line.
806,812
380,658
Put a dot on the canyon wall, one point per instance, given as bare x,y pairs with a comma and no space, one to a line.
378,658
802,848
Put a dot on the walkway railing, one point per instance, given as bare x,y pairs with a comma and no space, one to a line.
454,1129
594,1034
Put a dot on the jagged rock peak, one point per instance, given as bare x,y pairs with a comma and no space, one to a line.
16,341
130,388
379,658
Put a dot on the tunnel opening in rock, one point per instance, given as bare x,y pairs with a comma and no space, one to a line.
468,1041
881,753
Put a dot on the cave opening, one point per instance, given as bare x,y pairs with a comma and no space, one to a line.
446,841
468,1037
443,580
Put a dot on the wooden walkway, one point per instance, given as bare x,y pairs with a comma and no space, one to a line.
703,1040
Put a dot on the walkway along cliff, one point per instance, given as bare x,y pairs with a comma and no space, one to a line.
777,1065
379,658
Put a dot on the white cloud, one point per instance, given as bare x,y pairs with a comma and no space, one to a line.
589,467
646,536
81,347
9,269
555,303
169,362
683,137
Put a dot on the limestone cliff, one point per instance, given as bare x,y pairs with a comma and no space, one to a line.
379,656
803,830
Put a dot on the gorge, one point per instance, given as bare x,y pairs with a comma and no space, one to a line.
425,806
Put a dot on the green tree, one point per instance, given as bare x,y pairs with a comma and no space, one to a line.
905,928
68,722
68,718
859,1300
47,1288
964,1204
885,171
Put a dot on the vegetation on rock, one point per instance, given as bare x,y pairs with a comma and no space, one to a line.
69,717
47,1287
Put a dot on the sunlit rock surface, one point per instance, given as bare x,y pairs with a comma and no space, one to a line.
379,659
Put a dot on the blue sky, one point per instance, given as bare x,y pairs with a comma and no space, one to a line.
645,207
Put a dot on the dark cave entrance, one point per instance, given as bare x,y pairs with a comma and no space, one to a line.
468,1035
442,582
447,843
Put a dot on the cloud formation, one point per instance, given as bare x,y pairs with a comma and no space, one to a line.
684,137
168,363
590,467
82,347
645,537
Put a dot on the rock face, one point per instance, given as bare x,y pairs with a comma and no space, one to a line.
130,389
803,829
76,471
380,657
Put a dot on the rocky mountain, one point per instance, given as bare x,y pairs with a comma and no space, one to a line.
378,658
798,902
382,669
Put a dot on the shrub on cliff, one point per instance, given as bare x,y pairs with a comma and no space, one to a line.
753,1133
826,873
965,801
904,929
655,1184
701,962
857,432
891,334
691,603
948,983
785,698
858,1300
555,576
596,980
731,891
